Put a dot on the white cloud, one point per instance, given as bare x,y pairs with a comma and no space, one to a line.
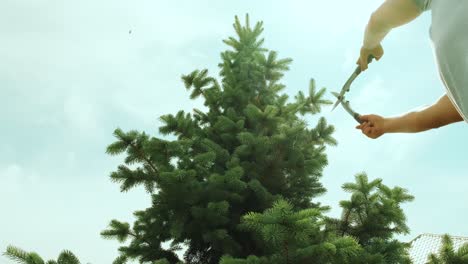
13,179
350,58
333,17
81,114
373,95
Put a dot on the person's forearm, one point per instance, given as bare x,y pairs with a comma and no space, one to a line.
375,32
407,123
441,113
391,14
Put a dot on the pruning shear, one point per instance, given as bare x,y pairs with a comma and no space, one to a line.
346,87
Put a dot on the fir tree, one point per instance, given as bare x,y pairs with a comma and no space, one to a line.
373,216
249,149
448,255
24,257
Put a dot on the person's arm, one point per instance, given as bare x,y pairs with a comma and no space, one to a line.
391,14
437,115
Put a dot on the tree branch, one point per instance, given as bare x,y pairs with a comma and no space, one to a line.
142,156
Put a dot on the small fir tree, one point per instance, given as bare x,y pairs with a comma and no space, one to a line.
295,237
362,235
246,151
24,257
448,255
374,216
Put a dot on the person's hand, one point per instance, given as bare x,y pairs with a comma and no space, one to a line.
377,52
372,126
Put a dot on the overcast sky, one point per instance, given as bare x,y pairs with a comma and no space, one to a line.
71,72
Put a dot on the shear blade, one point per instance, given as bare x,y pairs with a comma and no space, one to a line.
338,96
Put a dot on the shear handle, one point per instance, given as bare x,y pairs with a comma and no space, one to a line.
358,68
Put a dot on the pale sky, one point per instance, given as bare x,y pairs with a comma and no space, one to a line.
70,73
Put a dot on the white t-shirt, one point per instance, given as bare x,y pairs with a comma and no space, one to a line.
449,35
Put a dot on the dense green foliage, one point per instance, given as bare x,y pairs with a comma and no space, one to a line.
295,237
23,257
373,216
238,182
363,235
448,255
247,150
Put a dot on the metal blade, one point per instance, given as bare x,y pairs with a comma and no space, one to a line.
348,108
346,87
338,96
